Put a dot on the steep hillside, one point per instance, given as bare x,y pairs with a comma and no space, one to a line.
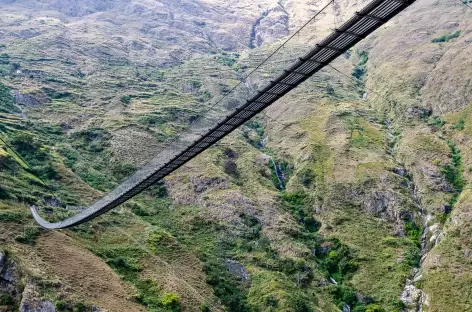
350,194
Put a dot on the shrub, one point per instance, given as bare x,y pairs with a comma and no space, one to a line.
30,233
227,60
14,217
360,70
446,38
6,100
413,231
160,237
25,143
158,190
257,126
62,305
170,302
122,263
56,95
300,304
93,139
70,154
122,171
231,168
3,195
437,122
454,172
4,58
412,257
148,293
374,308
139,210
80,307
6,300
230,153
306,177
47,171
126,99
225,286
460,125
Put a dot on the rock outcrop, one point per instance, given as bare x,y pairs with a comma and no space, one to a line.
270,26
31,303
9,282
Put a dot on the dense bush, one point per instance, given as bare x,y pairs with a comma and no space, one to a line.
57,95
25,144
6,300
122,171
230,167
70,154
8,163
3,195
460,125
92,139
47,171
170,302
306,177
360,70
454,172
4,58
225,286
122,263
413,231
296,204
126,99
30,233
6,100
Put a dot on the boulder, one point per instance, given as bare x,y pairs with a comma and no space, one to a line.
420,112
3,260
237,269
31,303
411,296
400,171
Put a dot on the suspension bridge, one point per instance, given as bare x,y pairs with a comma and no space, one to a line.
205,132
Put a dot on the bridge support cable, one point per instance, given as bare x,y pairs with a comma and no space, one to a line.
208,131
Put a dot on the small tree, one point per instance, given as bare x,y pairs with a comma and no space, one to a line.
352,124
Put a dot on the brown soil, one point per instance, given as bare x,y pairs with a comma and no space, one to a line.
84,274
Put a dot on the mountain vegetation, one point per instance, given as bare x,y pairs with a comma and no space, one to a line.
350,194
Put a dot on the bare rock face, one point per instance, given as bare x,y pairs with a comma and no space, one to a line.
237,269
385,204
412,297
271,26
9,281
31,303
436,180
3,259
29,100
